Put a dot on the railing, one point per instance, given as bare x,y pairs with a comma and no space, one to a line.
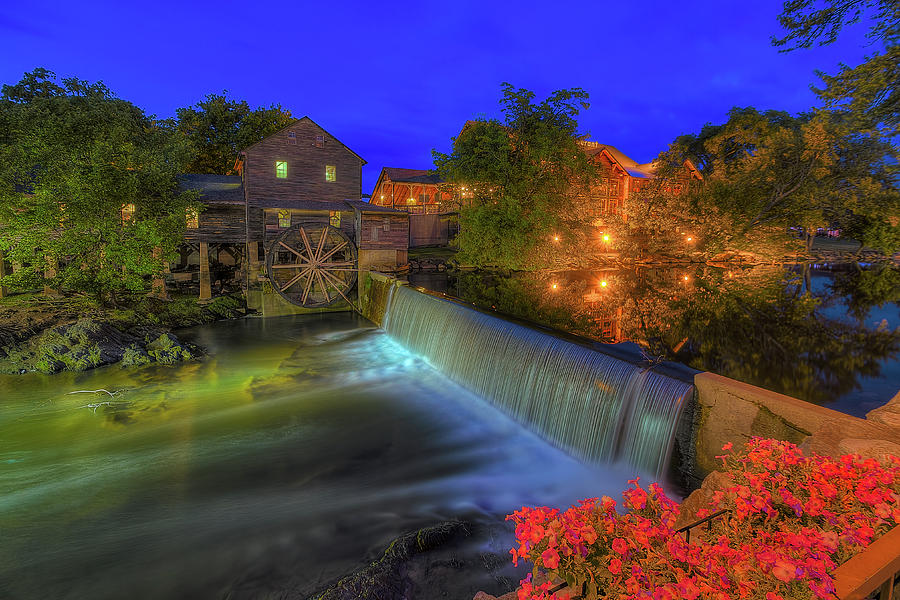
686,530
875,568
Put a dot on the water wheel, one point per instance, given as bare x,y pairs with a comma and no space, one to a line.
312,265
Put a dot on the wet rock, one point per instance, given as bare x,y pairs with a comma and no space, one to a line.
89,343
388,577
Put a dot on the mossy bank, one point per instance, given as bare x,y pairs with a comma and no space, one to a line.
77,334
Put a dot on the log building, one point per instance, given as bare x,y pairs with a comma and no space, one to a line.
294,205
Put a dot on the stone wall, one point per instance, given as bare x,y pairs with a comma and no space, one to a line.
373,291
731,411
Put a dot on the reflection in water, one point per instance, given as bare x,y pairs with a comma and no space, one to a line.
823,335
287,459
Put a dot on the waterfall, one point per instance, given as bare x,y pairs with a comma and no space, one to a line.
593,405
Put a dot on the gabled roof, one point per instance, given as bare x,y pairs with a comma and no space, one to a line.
412,176
293,123
214,189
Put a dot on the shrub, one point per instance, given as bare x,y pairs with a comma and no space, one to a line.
791,520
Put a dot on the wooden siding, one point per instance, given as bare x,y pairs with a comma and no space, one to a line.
383,231
306,163
272,229
219,223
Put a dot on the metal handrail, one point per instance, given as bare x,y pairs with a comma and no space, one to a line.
687,538
687,528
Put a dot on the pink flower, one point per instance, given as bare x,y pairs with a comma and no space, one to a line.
550,558
619,546
615,566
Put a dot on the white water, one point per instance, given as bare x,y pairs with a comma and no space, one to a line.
593,405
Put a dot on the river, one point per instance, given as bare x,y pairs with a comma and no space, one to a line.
290,456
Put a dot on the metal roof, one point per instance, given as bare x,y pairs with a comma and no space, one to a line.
214,189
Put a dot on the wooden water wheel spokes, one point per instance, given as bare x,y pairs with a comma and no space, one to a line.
312,265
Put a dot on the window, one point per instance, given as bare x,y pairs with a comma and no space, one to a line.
334,218
284,218
281,169
193,218
613,189
320,141
292,138
330,173
127,213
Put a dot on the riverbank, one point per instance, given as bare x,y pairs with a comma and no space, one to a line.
77,333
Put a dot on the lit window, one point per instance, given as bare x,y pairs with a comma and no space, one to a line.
292,138
193,218
330,173
284,218
335,218
281,169
127,212
320,141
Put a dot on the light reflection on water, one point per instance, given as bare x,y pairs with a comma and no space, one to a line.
808,331
293,454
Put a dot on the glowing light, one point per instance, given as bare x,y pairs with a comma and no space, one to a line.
555,239
382,197
690,238
603,284
606,238
686,278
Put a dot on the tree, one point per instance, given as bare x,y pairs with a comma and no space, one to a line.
870,91
519,180
218,128
74,162
765,172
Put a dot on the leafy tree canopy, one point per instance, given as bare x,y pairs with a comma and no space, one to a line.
72,155
218,128
765,172
519,179
870,91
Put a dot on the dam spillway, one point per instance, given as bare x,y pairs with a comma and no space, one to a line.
596,406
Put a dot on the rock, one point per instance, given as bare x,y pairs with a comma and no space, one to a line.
385,579
889,414
700,498
877,449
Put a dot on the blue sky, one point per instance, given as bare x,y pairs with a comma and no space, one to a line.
393,80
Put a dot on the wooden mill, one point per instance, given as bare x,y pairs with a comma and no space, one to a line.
290,227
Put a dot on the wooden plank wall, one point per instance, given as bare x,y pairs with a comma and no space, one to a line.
219,223
305,179
384,231
272,228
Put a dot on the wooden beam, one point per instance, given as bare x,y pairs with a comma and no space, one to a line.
205,287
158,287
4,271
50,273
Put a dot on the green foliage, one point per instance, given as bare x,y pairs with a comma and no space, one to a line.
870,91
135,356
217,128
71,157
765,172
519,180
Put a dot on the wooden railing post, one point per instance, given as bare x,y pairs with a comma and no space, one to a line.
205,286
4,271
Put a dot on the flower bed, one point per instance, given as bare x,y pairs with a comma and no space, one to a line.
791,520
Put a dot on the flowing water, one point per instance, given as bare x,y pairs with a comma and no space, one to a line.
597,407
289,457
